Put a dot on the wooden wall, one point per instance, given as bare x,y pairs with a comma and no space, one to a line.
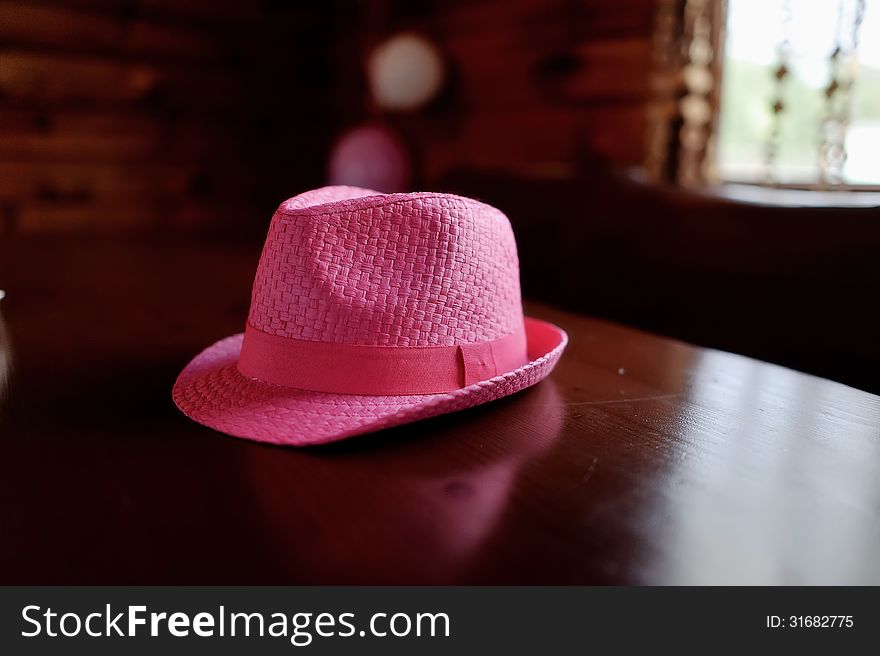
534,86
121,116
149,115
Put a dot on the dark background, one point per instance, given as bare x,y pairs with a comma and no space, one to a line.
189,121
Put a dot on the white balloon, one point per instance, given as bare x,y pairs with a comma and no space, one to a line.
405,72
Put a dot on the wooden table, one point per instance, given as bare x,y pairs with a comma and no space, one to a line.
641,460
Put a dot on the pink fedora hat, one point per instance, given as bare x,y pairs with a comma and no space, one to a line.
371,310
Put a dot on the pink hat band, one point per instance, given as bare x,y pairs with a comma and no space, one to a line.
372,310
376,370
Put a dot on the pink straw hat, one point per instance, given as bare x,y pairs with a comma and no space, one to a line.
368,311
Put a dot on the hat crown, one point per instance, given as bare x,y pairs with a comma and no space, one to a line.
352,266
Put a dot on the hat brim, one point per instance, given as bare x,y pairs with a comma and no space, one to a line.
211,391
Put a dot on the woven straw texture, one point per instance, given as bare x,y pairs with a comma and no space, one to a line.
389,270
212,392
349,265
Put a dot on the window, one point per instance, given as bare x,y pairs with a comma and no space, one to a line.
773,92
800,95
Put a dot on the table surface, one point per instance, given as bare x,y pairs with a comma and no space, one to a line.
641,460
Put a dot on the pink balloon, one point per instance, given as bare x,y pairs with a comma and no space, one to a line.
370,156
